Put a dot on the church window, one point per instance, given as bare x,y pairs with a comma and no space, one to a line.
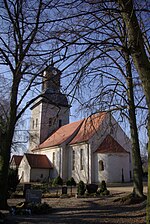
54,158
81,159
101,165
36,124
130,175
33,124
73,160
60,123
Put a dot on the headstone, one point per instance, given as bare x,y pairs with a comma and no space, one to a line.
33,196
64,190
92,188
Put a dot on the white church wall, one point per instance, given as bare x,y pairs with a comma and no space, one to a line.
81,165
70,161
120,136
98,175
39,175
35,124
64,161
90,172
115,165
109,126
24,170
118,168
45,119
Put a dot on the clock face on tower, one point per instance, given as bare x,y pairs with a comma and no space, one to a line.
54,72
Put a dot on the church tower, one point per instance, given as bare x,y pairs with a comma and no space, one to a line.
50,111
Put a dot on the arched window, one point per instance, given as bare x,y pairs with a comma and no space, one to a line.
60,123
54,158
81,159
33,124
101,165
73,160
36,124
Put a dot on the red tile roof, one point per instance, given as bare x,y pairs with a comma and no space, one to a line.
17,159
61,135
89,127
110,145
38,161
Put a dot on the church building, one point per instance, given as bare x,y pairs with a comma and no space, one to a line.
92,149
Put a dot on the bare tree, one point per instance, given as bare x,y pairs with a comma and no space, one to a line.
102,58
27,43
142,64
88,35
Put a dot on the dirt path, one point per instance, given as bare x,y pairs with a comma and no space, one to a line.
85,211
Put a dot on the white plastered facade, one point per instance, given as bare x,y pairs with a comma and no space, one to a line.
117,166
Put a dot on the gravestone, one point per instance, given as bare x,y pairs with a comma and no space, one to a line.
64,190
91,188
33,196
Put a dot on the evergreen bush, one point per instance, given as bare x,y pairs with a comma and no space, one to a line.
81,188
71,182
58,181
103,189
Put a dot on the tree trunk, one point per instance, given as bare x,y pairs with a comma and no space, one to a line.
4,165
136,157
136,44
6,142
142,65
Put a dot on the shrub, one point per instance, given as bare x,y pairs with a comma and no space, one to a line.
24,208
41,208
58,181
103,189
81,188
106,192
103,186
71,182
